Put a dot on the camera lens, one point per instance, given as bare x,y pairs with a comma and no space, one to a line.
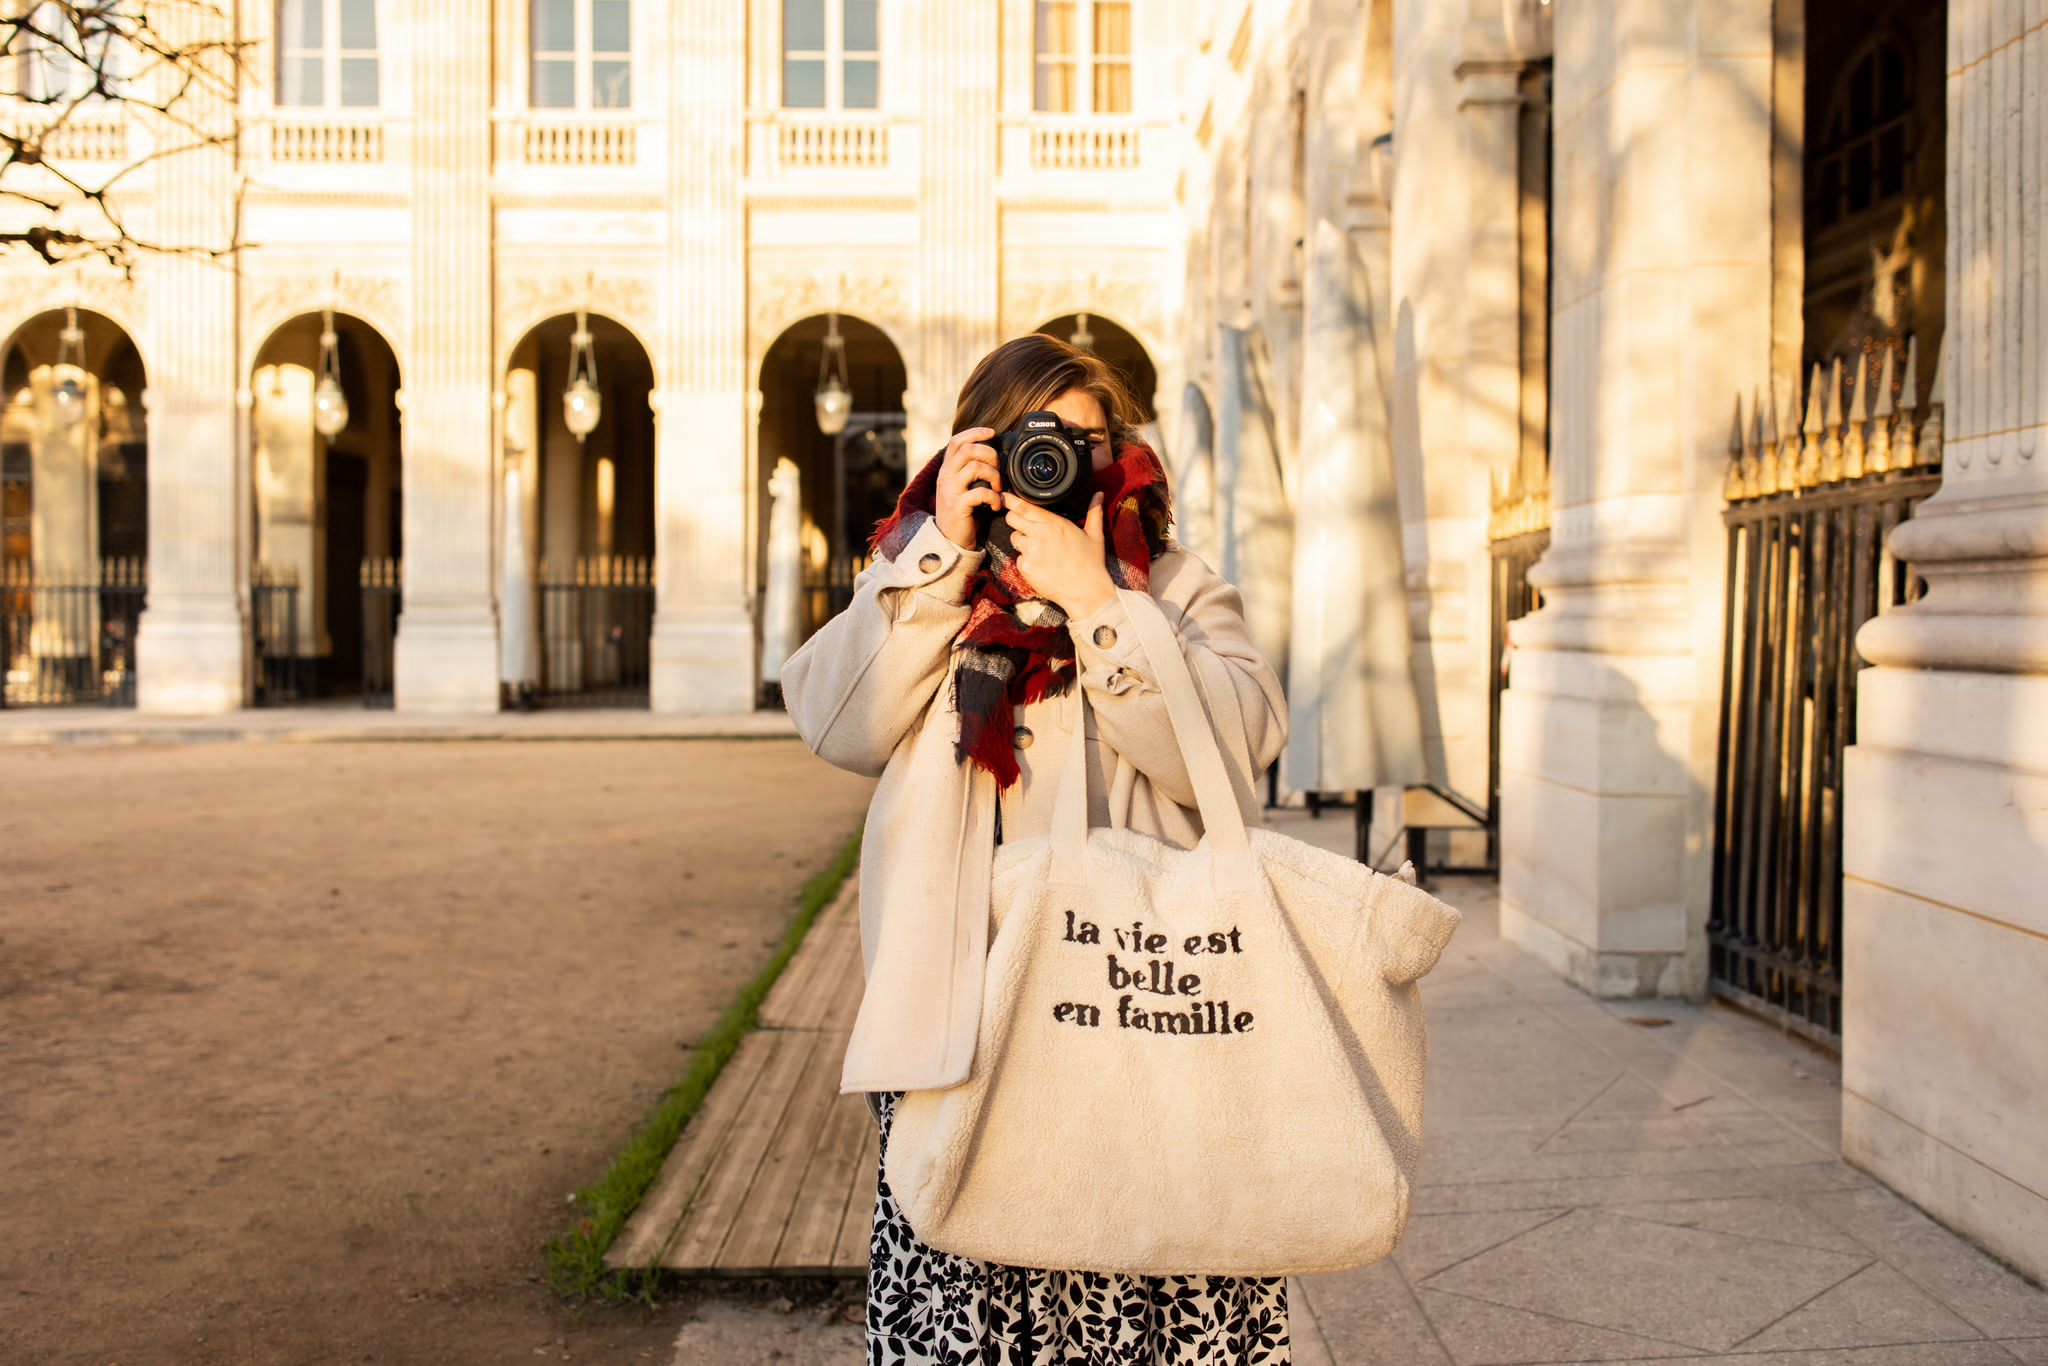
1041,468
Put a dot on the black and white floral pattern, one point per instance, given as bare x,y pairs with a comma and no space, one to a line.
931,1308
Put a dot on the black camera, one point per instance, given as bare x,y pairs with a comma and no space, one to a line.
1048,462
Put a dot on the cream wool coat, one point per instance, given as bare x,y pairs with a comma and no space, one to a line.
871,692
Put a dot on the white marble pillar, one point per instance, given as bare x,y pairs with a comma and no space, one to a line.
191,646
447,652
1442,479
1255,526
1661,299
958,270
1945,793
705,655
782,611
64,517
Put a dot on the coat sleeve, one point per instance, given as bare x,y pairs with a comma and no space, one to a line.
859,684
1242,692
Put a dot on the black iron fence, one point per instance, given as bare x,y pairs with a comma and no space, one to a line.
1807,566
284,672
1513,598
597,625
383,600
69,642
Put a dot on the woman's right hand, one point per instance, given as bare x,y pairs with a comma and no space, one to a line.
967,459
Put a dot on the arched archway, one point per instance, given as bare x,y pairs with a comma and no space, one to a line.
328,511
576,564
1117,345
819,511
74,509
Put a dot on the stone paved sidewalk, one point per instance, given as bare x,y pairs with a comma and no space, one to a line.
1621,1182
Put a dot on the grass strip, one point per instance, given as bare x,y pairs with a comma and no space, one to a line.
576,1266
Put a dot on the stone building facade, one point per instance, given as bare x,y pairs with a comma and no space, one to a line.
1714,400
444,187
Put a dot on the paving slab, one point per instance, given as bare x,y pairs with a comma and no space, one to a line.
1646,1180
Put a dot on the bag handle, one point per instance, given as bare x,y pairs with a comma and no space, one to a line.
1223,822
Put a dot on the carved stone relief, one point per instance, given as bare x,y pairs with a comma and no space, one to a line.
275,300
871,288
525,300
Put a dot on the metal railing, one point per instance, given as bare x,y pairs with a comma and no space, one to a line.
64,643
283,674
1807,519
597,626
1513,597
383,599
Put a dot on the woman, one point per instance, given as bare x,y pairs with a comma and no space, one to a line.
952,675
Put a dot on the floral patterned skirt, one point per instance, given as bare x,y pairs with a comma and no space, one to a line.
932,1308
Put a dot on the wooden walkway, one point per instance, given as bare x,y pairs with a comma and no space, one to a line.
775,1175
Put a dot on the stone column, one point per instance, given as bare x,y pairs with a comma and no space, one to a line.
1945,793
958,268
191,646
705,658
447,652
1661,303
1443,494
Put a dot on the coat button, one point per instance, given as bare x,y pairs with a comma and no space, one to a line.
929,562
1105,636
1022,737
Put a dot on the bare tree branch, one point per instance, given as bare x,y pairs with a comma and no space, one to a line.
69,68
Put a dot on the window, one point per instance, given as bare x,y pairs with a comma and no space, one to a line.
831,54
582,54
72,52
327,53
1083,57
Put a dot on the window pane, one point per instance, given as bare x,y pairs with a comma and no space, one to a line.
299,24
611,26
1055,28
299,81
1112,87
1055,93
359,25
1112,28
554,83
863,84
554,26
611,85
359,82
803,25
803,84
859,34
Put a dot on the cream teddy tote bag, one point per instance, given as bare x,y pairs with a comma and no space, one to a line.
1203,1061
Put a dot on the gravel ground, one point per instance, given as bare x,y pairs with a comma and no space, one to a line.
302,1048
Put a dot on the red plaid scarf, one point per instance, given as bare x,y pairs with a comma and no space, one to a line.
1017,646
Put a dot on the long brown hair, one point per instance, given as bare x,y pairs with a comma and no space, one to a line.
1028,373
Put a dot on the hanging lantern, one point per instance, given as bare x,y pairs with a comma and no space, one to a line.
330,405
67,395
1081,337
834,401
581,403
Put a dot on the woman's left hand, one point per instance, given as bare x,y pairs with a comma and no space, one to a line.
1062,562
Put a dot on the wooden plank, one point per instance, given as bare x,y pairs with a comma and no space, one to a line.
820,1208
842,1001
856,1229
757,1231
710,1218
786,1006
652,1224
